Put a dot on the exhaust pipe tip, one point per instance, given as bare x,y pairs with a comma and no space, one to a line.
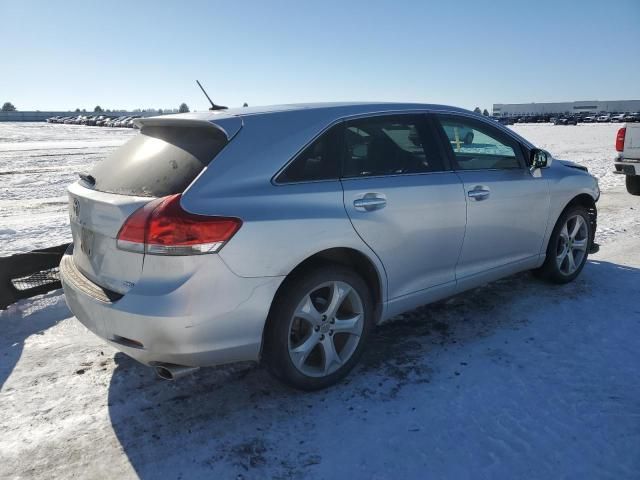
164,373
173,372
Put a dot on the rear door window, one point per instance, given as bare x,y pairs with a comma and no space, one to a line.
159,161
390,145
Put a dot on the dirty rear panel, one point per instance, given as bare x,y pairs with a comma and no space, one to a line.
95,219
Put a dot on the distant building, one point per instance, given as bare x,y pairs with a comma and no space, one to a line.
557,108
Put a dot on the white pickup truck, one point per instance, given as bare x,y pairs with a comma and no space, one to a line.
628,159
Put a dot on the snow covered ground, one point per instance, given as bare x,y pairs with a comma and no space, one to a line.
37,162
517,379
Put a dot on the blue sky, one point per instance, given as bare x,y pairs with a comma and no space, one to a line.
147,54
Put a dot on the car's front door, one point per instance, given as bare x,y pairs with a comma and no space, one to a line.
403,200
507,207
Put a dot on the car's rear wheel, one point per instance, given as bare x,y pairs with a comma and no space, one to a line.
633,184
317,328
568,246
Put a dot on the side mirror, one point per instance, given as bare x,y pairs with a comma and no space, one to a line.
539,159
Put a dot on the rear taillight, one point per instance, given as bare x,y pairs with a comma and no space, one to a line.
162,227
620,139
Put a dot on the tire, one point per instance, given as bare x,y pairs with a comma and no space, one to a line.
568,248
633,184
301,327
468,138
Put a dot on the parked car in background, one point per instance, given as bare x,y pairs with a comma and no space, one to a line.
197,245
627,161
101,122
565,121
111,122
121,122
91,121
618,117
603,118
130,121
631,117
96,120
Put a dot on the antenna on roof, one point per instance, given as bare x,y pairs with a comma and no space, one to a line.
213,105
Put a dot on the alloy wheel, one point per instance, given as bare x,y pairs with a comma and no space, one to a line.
572,245
325,329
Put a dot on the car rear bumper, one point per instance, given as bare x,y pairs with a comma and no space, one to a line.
627,167
209,317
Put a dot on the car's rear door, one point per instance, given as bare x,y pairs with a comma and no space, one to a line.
507,207
403,200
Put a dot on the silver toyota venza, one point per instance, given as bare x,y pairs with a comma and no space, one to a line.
286,233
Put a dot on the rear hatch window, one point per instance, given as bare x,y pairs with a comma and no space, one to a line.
159,161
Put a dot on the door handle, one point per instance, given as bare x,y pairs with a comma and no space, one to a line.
479,193
370,202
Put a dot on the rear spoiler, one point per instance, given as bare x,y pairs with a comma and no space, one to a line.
229,125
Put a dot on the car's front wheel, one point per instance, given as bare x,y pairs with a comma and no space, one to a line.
317,328
568,246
